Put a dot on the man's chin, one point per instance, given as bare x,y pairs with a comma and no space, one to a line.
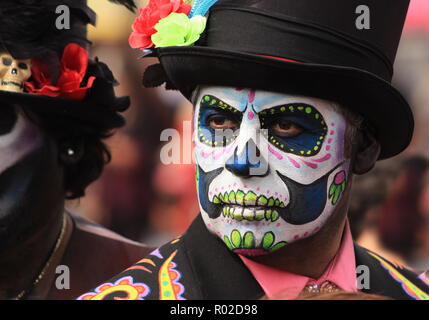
251,252
250,238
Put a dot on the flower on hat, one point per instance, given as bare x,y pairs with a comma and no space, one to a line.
166,23
178,30
70,83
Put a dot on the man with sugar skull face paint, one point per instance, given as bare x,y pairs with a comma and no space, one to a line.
57,106
290,102
302,159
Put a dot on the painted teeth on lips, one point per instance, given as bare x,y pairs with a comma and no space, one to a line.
248,206
250,214
249,199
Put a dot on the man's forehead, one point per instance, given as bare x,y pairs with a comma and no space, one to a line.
239,98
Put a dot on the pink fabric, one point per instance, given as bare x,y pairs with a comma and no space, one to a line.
341,271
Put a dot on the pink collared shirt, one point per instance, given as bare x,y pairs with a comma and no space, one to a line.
341,271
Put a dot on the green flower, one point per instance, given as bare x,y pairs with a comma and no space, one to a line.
178,30
247,241
337,187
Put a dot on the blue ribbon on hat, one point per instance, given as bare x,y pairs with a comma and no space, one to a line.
201,7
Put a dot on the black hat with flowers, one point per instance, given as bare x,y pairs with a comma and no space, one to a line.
44,65
332,49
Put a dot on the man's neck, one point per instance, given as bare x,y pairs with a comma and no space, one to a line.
311,256
21,263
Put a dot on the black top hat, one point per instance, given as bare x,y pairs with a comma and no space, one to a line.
310,47
29,34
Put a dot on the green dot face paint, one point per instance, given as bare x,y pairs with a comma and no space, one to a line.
271,167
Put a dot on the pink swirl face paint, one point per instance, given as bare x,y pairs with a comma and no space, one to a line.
274,152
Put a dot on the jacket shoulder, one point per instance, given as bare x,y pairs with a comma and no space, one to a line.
154,276
97,241
391,279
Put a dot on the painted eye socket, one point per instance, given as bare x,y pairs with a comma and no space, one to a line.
23,66
294,128
218,122
7,61
221,122
286,128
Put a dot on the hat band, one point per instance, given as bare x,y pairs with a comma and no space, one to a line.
257,32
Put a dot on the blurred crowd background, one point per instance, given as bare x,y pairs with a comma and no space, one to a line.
147,201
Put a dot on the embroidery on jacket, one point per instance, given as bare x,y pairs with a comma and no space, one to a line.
123,289
411,289
169,286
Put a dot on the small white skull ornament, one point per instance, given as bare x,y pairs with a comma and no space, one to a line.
13,73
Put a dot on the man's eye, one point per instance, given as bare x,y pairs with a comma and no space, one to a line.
219,122
7,62
286,128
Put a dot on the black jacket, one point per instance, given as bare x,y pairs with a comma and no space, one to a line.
199,266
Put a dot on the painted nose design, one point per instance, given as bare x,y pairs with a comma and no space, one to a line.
249,164
14,71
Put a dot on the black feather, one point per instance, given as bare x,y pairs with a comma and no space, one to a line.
24,27
155,76
129,4
28,28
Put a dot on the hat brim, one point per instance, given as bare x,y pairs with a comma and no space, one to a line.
85,113
382,106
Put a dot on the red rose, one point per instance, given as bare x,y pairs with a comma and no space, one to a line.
143,26
73,69
74,64
41,83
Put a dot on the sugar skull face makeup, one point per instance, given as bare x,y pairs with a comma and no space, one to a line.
271,167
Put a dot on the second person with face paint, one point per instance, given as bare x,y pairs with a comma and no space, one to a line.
56,108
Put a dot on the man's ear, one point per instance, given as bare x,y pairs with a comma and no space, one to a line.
71,151
366,152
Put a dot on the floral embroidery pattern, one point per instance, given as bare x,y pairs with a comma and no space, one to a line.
169,286
122,289
411,289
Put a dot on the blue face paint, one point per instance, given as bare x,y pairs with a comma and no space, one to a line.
203,183
313,128
306,202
